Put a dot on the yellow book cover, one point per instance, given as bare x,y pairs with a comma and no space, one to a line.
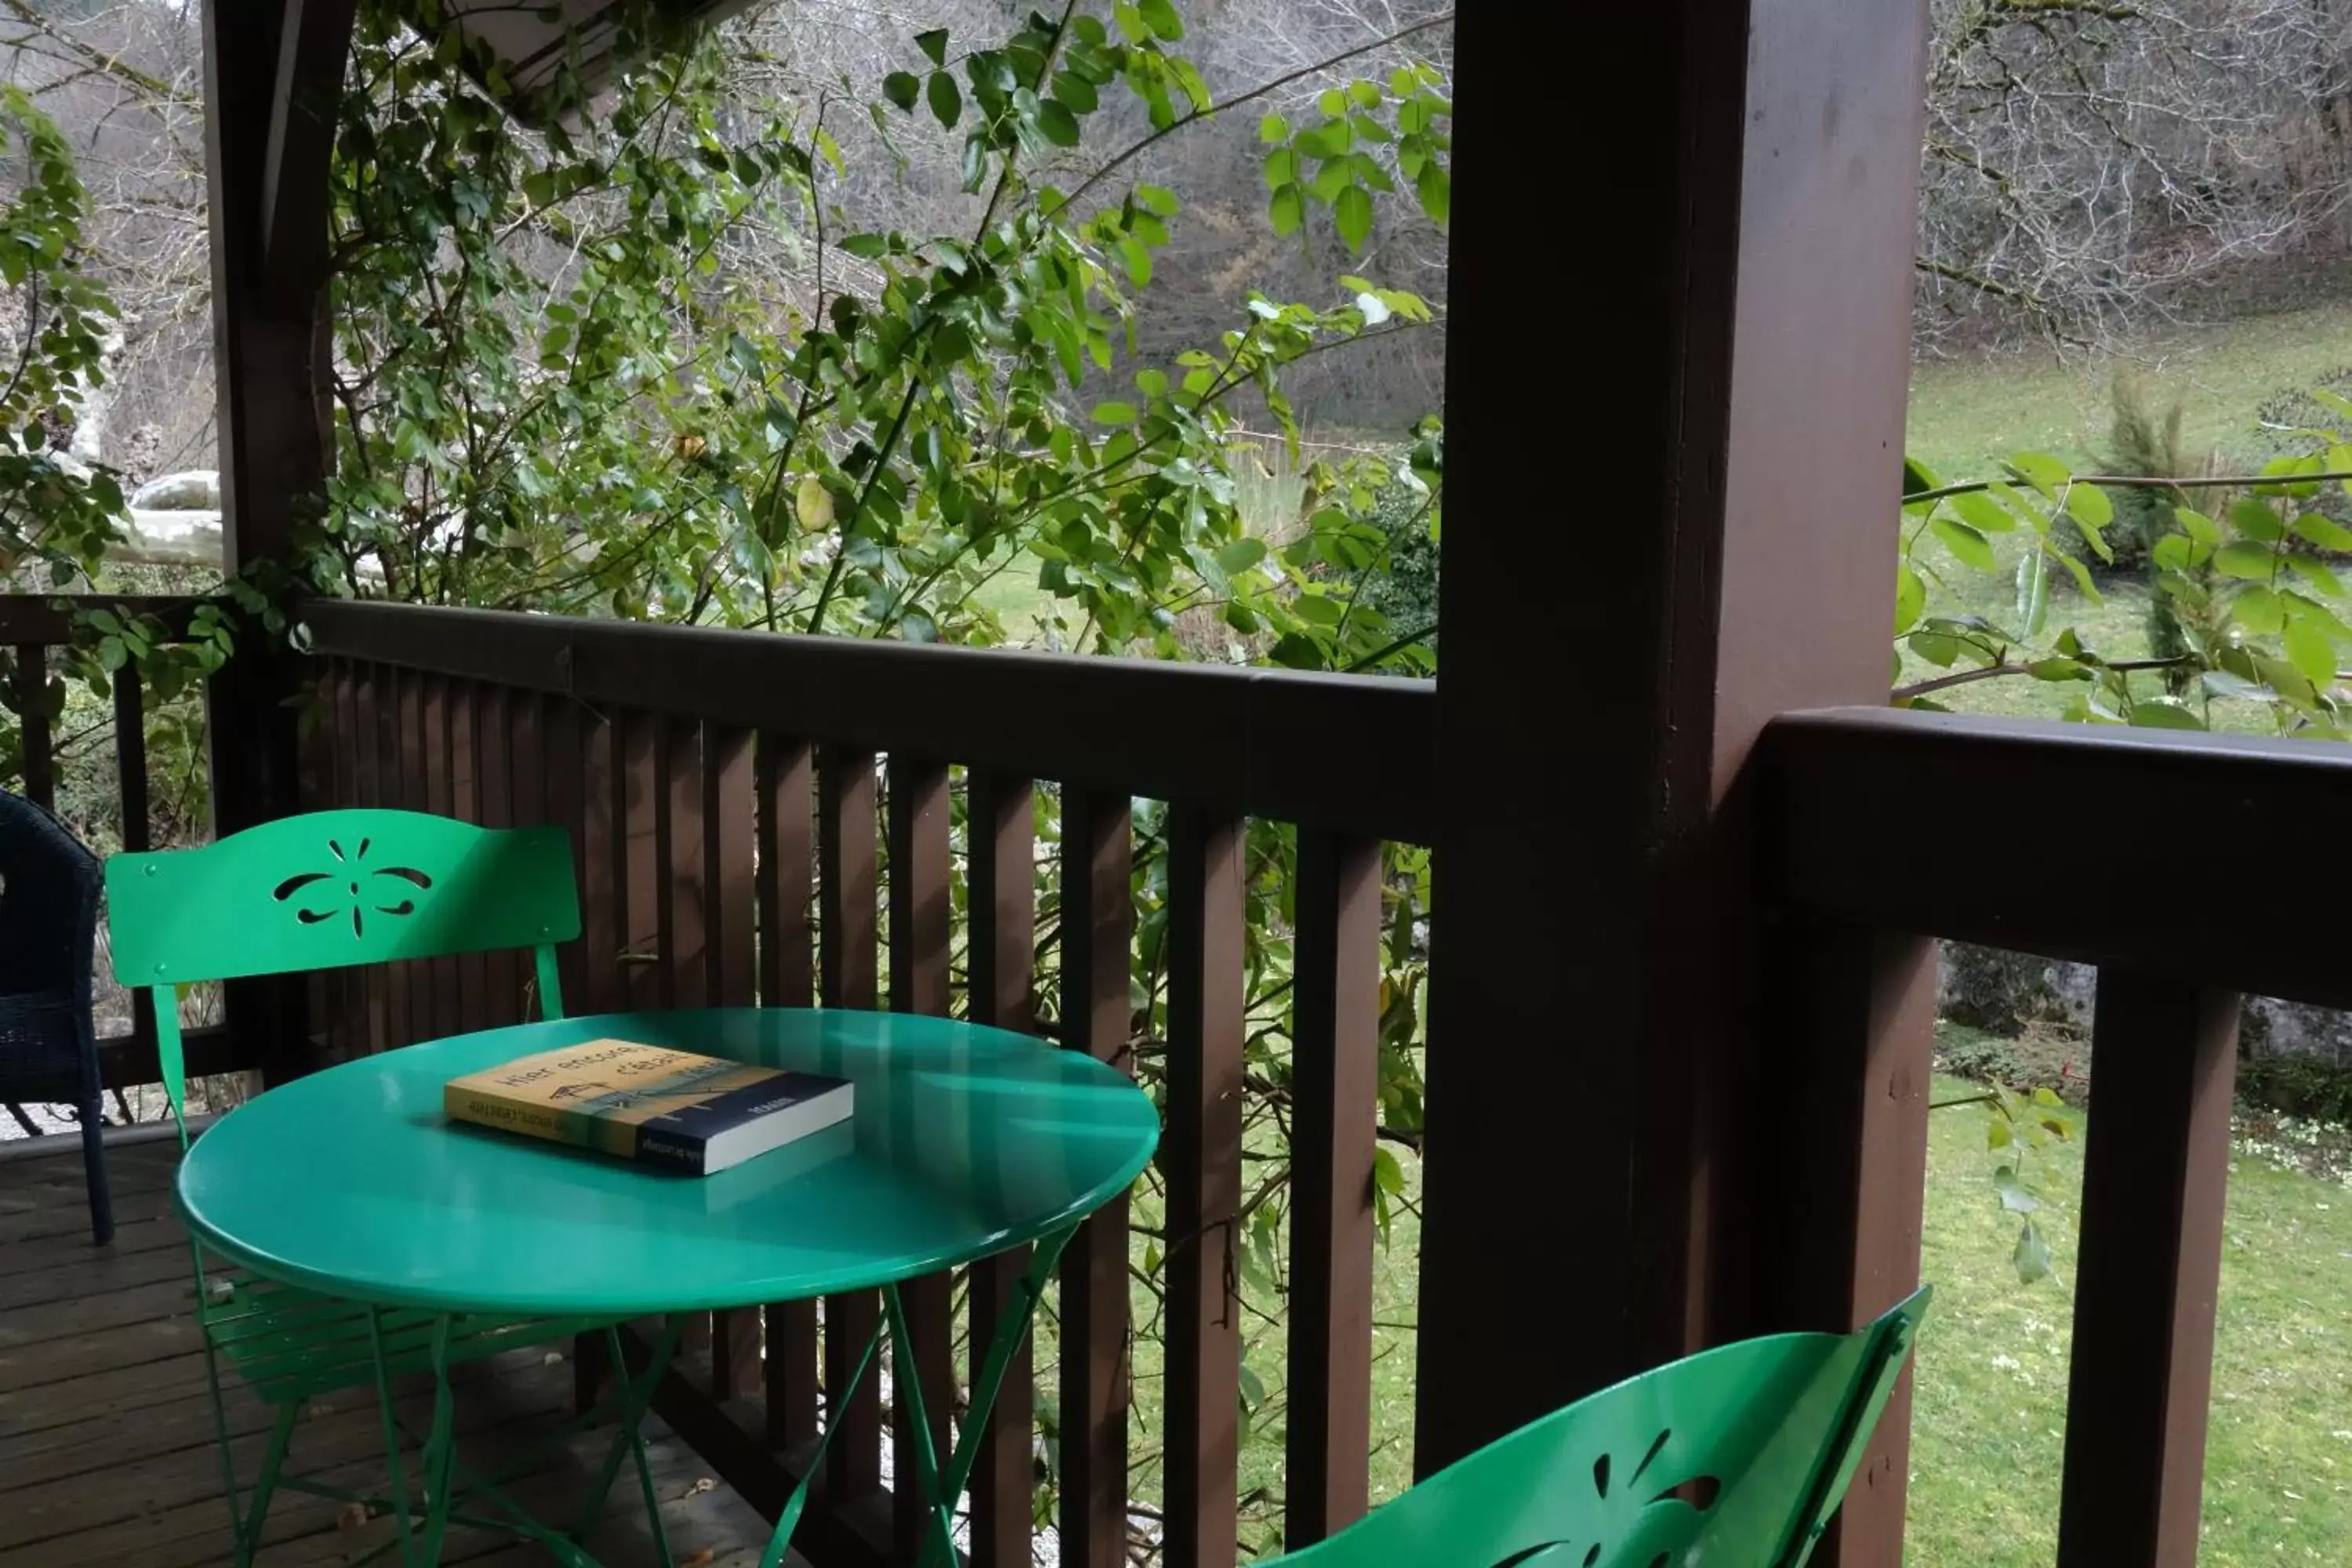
665,1106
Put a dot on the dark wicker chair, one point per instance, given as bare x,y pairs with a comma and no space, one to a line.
48,923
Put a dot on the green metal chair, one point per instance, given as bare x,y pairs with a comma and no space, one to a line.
1736,1458
331,890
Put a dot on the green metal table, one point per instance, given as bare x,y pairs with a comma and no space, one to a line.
966,1142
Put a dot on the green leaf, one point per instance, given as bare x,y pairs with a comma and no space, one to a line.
1288,210
1353,213
2244,558
934,44
1076,93
2197,526
2014,1198
2259,611
1910,599
1241,555
1281,168
1160,17
2256,519
2089,505
2164,713
900,87
1056,123
2323,532
2032,593
1983,513
1273,128
1436,189
1998,1135
2318,574
2309,649
1917,477
947,98
1114,413
1387,1176
1971,547
2043,471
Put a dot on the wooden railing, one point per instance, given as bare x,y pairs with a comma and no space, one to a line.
744,808
33,628
1853,899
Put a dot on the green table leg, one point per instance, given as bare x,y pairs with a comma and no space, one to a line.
939,1490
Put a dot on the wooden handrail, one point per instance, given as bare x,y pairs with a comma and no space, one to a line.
1353,755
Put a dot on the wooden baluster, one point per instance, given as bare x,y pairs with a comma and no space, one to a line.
921,926
2155,1181
680,977
783,786
398,753
1852,1018
999,819
602,854
39,773
729,964
846,951
640,806
1098,927
493,787
784,783
1335,1108
432,764
465,804
1202,1157
352,1012
367,744
130,786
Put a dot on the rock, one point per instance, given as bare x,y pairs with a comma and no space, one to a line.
194,489
2274,1028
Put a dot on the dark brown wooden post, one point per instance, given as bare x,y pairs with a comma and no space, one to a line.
1596,940
273,73
2156,1175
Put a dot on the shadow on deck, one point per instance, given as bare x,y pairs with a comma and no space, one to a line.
106,1444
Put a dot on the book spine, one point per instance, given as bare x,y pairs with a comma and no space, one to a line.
670,1151
509,1115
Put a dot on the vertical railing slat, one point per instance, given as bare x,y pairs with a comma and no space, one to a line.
494,787
350,1015
685,880
465,804
2148,1269
402,791
368,790
638,805
1097,926
433,759
730,947
1335,1100
1000,820
1202,1161
784,786
921,925
39,765
846,953
600,856
137,830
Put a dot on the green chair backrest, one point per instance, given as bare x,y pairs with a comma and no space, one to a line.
329,890
1736,1458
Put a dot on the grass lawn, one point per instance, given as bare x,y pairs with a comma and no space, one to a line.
1991,1371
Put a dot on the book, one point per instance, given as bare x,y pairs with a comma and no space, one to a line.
672,1108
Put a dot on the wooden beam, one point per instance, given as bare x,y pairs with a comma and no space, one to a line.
314,41
1756,340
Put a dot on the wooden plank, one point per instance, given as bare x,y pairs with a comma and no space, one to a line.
1851,1016
529,765
36,768
434,765
465,804
408,755
787,964
1831,775
684,886
846,956
1202,1157
1097,926
2148,1274
125,1062
1286,740
603,857
729,961
639,807
502,972
1001,829
131,789
1335,1100
367,789
921,930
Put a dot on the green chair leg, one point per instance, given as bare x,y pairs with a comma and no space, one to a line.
938,1539
773,1557
265,1486
391,1437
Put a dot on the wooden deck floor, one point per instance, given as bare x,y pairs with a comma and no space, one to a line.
107,1458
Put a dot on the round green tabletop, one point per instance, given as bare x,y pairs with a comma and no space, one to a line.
965,1141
